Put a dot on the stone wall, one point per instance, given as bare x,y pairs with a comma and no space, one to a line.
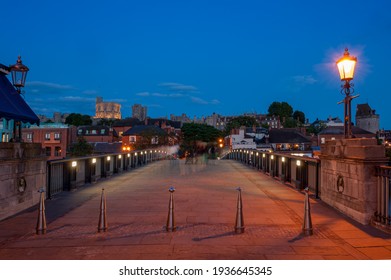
348,176
22,174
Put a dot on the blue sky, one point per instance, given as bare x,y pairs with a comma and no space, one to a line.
198,57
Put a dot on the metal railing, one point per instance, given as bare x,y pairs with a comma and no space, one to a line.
382,215
298,171
68,174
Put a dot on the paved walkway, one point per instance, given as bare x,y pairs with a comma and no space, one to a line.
205,209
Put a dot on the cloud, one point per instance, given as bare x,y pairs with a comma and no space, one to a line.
179,87
77,98
201,101
304,80
167,94
47,85
158,94
144,93
90,92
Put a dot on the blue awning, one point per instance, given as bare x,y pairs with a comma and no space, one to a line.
12,105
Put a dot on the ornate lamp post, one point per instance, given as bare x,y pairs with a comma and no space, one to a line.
19,73
346,66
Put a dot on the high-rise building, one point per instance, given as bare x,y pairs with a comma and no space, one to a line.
139,112
107,110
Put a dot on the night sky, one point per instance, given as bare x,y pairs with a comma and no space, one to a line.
199,57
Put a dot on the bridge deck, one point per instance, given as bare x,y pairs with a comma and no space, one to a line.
205,209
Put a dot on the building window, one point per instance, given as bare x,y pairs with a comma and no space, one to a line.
93,131
102,131
132,139
57,151
47,136
29,137
57,136
48,151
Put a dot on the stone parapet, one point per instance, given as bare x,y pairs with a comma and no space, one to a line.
348,176
22,174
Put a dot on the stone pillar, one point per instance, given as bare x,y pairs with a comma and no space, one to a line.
348,176
22,174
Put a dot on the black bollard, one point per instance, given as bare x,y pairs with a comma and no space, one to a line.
170,226
307,224
41,222
239,225
102,225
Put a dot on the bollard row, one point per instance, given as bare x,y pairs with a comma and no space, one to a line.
170,224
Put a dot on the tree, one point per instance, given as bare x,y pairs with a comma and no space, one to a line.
290,123
107,122
237,122
81,148
281,109
78,119
299,116
197,137
316,127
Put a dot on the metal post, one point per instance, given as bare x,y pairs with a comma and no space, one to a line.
239,224
102,225
41,222
307,225
170,225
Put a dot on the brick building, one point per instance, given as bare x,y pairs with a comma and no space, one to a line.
55,138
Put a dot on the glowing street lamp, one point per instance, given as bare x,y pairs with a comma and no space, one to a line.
346,66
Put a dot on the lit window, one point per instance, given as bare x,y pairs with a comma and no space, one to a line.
47,136
57,136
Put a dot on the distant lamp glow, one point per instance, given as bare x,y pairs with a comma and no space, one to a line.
108,158
74,163
94,160
298,162
263,155
120,156
283,159
272,157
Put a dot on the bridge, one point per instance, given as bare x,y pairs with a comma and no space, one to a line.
205,208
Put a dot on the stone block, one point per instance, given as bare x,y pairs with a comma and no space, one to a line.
21,177
348,178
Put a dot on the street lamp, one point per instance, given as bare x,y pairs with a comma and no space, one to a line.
346,66
19,73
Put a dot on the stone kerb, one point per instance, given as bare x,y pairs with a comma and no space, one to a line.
348,176
22,174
